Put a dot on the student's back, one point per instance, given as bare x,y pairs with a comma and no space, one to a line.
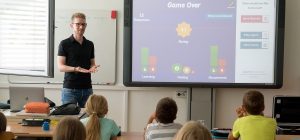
164,128
252,124
255,127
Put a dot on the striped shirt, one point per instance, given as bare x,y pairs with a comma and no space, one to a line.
160,131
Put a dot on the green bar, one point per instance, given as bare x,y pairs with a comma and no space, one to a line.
145,56
214,56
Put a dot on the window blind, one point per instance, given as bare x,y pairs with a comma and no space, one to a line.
26,37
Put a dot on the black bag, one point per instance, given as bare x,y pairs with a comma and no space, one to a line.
51,103
66,109
4,106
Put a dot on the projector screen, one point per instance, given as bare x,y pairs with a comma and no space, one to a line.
204,43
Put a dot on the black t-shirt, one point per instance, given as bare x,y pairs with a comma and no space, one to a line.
77,55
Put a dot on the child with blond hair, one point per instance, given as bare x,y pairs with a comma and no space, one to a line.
193,130
69,128
97,126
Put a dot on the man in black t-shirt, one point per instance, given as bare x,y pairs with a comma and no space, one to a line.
77,59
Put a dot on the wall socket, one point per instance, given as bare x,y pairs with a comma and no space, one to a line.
181,93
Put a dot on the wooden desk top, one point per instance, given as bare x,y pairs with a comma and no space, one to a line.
28,131
33,131
288,137
131,136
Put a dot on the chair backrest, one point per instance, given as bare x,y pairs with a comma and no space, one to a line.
7,136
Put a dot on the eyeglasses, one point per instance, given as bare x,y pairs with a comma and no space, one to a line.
80,24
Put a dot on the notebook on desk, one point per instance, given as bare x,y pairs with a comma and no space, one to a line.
19,96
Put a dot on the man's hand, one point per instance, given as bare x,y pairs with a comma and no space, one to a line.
94,69
82,70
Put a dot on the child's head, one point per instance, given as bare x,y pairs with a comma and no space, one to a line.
193,130
96,107
166,110
3,122
253,102
70,128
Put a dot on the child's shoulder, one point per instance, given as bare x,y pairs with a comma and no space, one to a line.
107,119
170,125
256,117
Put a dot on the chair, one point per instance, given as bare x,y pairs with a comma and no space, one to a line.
7,136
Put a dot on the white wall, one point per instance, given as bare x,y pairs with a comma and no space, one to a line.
130,107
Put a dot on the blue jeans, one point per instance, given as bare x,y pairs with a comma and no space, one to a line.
75,96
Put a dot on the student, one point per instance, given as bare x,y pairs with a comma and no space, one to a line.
98,127
164,128
251,123
4,135
3,122
193,130
69,128
77,59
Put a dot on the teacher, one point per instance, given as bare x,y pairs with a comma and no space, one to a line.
77,59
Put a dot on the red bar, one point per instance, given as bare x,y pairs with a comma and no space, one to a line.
113,14
251,19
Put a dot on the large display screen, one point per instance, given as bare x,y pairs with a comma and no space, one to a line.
209,43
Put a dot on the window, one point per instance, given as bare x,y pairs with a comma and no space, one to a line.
27,37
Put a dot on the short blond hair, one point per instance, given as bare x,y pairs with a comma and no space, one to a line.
193,130
78,15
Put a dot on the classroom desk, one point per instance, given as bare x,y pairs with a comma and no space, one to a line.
14,120
28,131
131,136
288,137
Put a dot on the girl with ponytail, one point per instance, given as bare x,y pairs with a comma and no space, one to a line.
97,126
